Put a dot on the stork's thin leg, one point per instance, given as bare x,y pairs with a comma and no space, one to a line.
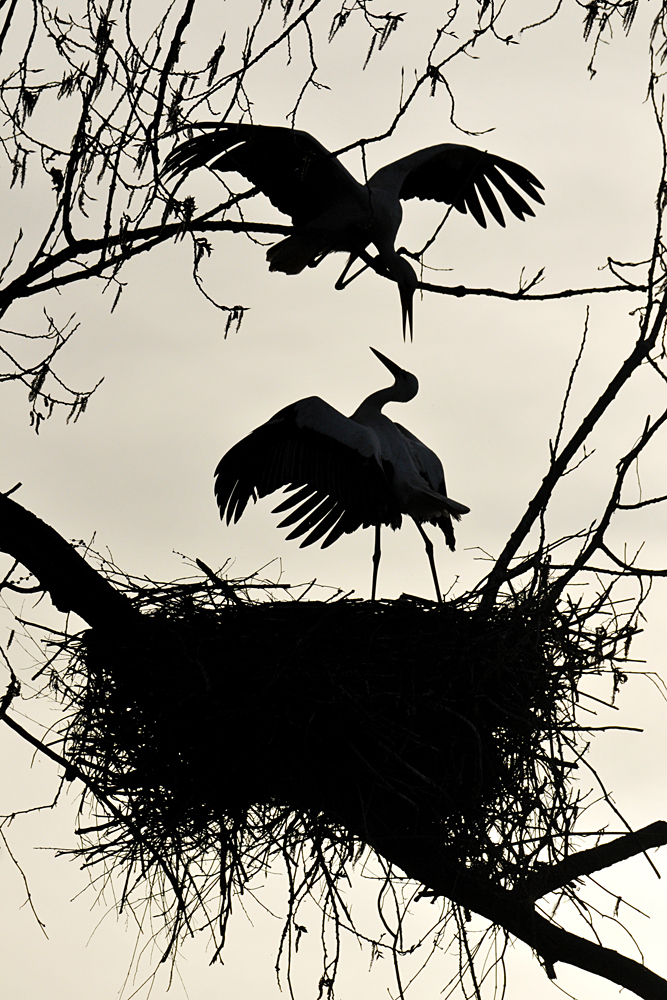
369,261
429,552
342,283
376,561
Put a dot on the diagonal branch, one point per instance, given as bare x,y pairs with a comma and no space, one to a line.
169,64
72,584
71,771
629,568
421,858
559,464
303,16
24,285
593,860
597,538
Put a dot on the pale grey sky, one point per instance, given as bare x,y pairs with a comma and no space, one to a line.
136,471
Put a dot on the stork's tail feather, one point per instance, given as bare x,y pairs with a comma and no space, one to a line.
456,509
301,250
442,504
440,509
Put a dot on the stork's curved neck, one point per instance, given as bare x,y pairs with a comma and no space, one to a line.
400,392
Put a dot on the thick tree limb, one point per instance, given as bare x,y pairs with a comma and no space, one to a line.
421,858
586,862
72,584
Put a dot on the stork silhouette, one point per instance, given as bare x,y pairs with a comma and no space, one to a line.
331,211
348,472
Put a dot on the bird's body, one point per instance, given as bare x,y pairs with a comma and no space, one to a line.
331,211
343,473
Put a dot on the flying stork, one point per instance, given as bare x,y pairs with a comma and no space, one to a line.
331,211
348,472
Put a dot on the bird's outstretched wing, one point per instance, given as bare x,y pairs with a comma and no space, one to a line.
327,458
460,176
295,171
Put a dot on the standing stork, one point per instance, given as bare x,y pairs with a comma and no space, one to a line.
331,211
348,472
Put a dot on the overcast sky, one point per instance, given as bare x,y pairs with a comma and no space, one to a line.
136,471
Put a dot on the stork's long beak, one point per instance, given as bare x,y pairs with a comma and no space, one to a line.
406,308
406,279
395,369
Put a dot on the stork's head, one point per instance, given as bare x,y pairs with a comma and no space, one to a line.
406,385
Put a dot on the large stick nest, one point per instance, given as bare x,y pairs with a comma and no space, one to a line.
222,732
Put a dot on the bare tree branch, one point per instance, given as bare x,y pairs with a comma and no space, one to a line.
646,342
567,293
582,863
72,584
419,857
